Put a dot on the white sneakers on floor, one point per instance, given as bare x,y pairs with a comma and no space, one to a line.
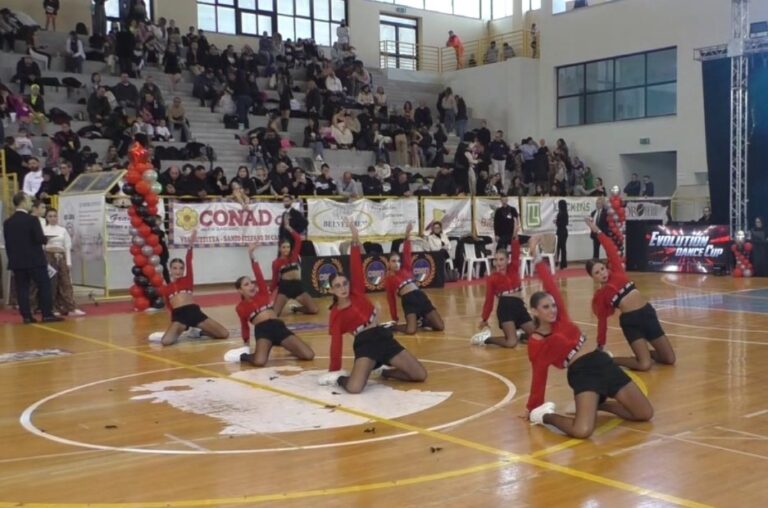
480,337
537,415
331,378
156,337
233,355
77,312
192,333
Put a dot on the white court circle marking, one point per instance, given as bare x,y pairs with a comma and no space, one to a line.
25,419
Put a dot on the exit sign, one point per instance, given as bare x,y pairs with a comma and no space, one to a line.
645,141
400,10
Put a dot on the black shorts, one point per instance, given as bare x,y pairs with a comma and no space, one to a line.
512,308
273,330
596,372
641,324
416,302
290,288
378,344
188,315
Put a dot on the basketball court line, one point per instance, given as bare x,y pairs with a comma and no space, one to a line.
507,457
692,441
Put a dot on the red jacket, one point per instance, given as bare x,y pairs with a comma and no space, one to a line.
183,285
284,264
393,282
249,307
498,283
605,300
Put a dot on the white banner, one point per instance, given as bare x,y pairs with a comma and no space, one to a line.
386,218
222,224
119,225
648,209
485,209
454,213
83,217
538,214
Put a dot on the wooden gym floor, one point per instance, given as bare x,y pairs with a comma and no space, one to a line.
113,421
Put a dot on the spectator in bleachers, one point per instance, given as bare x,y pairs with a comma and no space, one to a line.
517,188
342,35
67,143
383,170
237,194
280,179
95,82
444,184
198,184
492,53
333,84
427,150
150,87
27,72
62,180
634,187
599,189
365,97
301,185
125,92
706,218
98,106
205,88
380,103
349,187
172,64
483,134
51,8
455,42
34,177
151,109
462,117
142,127
99,17
507,51
125,44
36,103
112,159
13,160
371,183
423,116
162,132
313,139
342,134
648,187
449,109
414,145
244,180
8,29
499,151
177,118
360,78
74,54
192,61
262,183
22,144
172,181
401,187
217,182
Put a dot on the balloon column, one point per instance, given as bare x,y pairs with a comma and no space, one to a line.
617,219
142,187
741,250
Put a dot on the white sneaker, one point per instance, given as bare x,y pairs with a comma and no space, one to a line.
537,415
294,307
192,333
156,337
77,312
233,355
379,372
319,158
480,337
521,335
331,378
388,324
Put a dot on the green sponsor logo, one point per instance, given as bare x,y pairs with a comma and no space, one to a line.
533,214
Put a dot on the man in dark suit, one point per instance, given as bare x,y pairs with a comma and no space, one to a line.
24,240
504,219
600,216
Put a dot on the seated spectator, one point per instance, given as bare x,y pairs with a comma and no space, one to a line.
350,188
95,82
324,184
365,97
401,187
34,177
313,99
152,110
226,103
27,73
198,184
262,183
333,84
423,116
313,139
74,54
150,87
383,170
162,133
281,179
98,105
65,177
342,134
507,51
371,184
45,191
112,159
172,181
218,182
599,189
66,144
13,160
517,188
494,188
634,187
125,92
436,238
244,180
492,53
444,184
301,185
237,194
177,119
380,103
142,127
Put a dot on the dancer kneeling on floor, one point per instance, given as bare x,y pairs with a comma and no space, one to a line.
286,277
505,284
593,376
416,304
185,313
638,319
255,309
375,346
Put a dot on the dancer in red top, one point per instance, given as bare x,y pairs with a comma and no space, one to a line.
185,313
416,304
374,345
593,376
286,276
505,284
255,309
638,319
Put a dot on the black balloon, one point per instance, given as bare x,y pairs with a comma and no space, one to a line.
141,280
136,271
137,199
129,189
150,292
143,211
157,231
150,221
158,303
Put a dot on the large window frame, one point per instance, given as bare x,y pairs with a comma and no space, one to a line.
484,7
402,54
294,19
596,82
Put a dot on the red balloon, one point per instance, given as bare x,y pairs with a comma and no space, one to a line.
737,272
148,270
136,291
157,249
144,230
151,198
135,250
734,248
157,280
133,177
142,187
153,240
140,303
132,211
140,260
748,247
136,221
152,209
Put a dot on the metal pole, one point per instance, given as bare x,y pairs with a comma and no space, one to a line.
739,116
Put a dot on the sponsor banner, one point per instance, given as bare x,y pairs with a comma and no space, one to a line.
538,214
386,218
119,225
84,218
454,214
686,249
485,209
222,224
649,209
428,271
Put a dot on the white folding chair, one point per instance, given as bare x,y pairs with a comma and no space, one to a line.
526,263
327,249
549,248
451,254
471,261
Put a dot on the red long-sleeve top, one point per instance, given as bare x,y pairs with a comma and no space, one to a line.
555,349
394,281
356,316
282,265
607,298
499,283
184,284
248,308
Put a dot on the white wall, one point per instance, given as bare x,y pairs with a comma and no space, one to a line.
623,27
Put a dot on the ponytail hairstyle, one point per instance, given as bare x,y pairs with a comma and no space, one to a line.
177,260
239,284
536,298
591,264
330,282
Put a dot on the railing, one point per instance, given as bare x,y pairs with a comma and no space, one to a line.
421,57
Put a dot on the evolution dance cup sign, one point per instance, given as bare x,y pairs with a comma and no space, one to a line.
686,249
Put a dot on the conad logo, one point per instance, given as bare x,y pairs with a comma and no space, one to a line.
337,221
